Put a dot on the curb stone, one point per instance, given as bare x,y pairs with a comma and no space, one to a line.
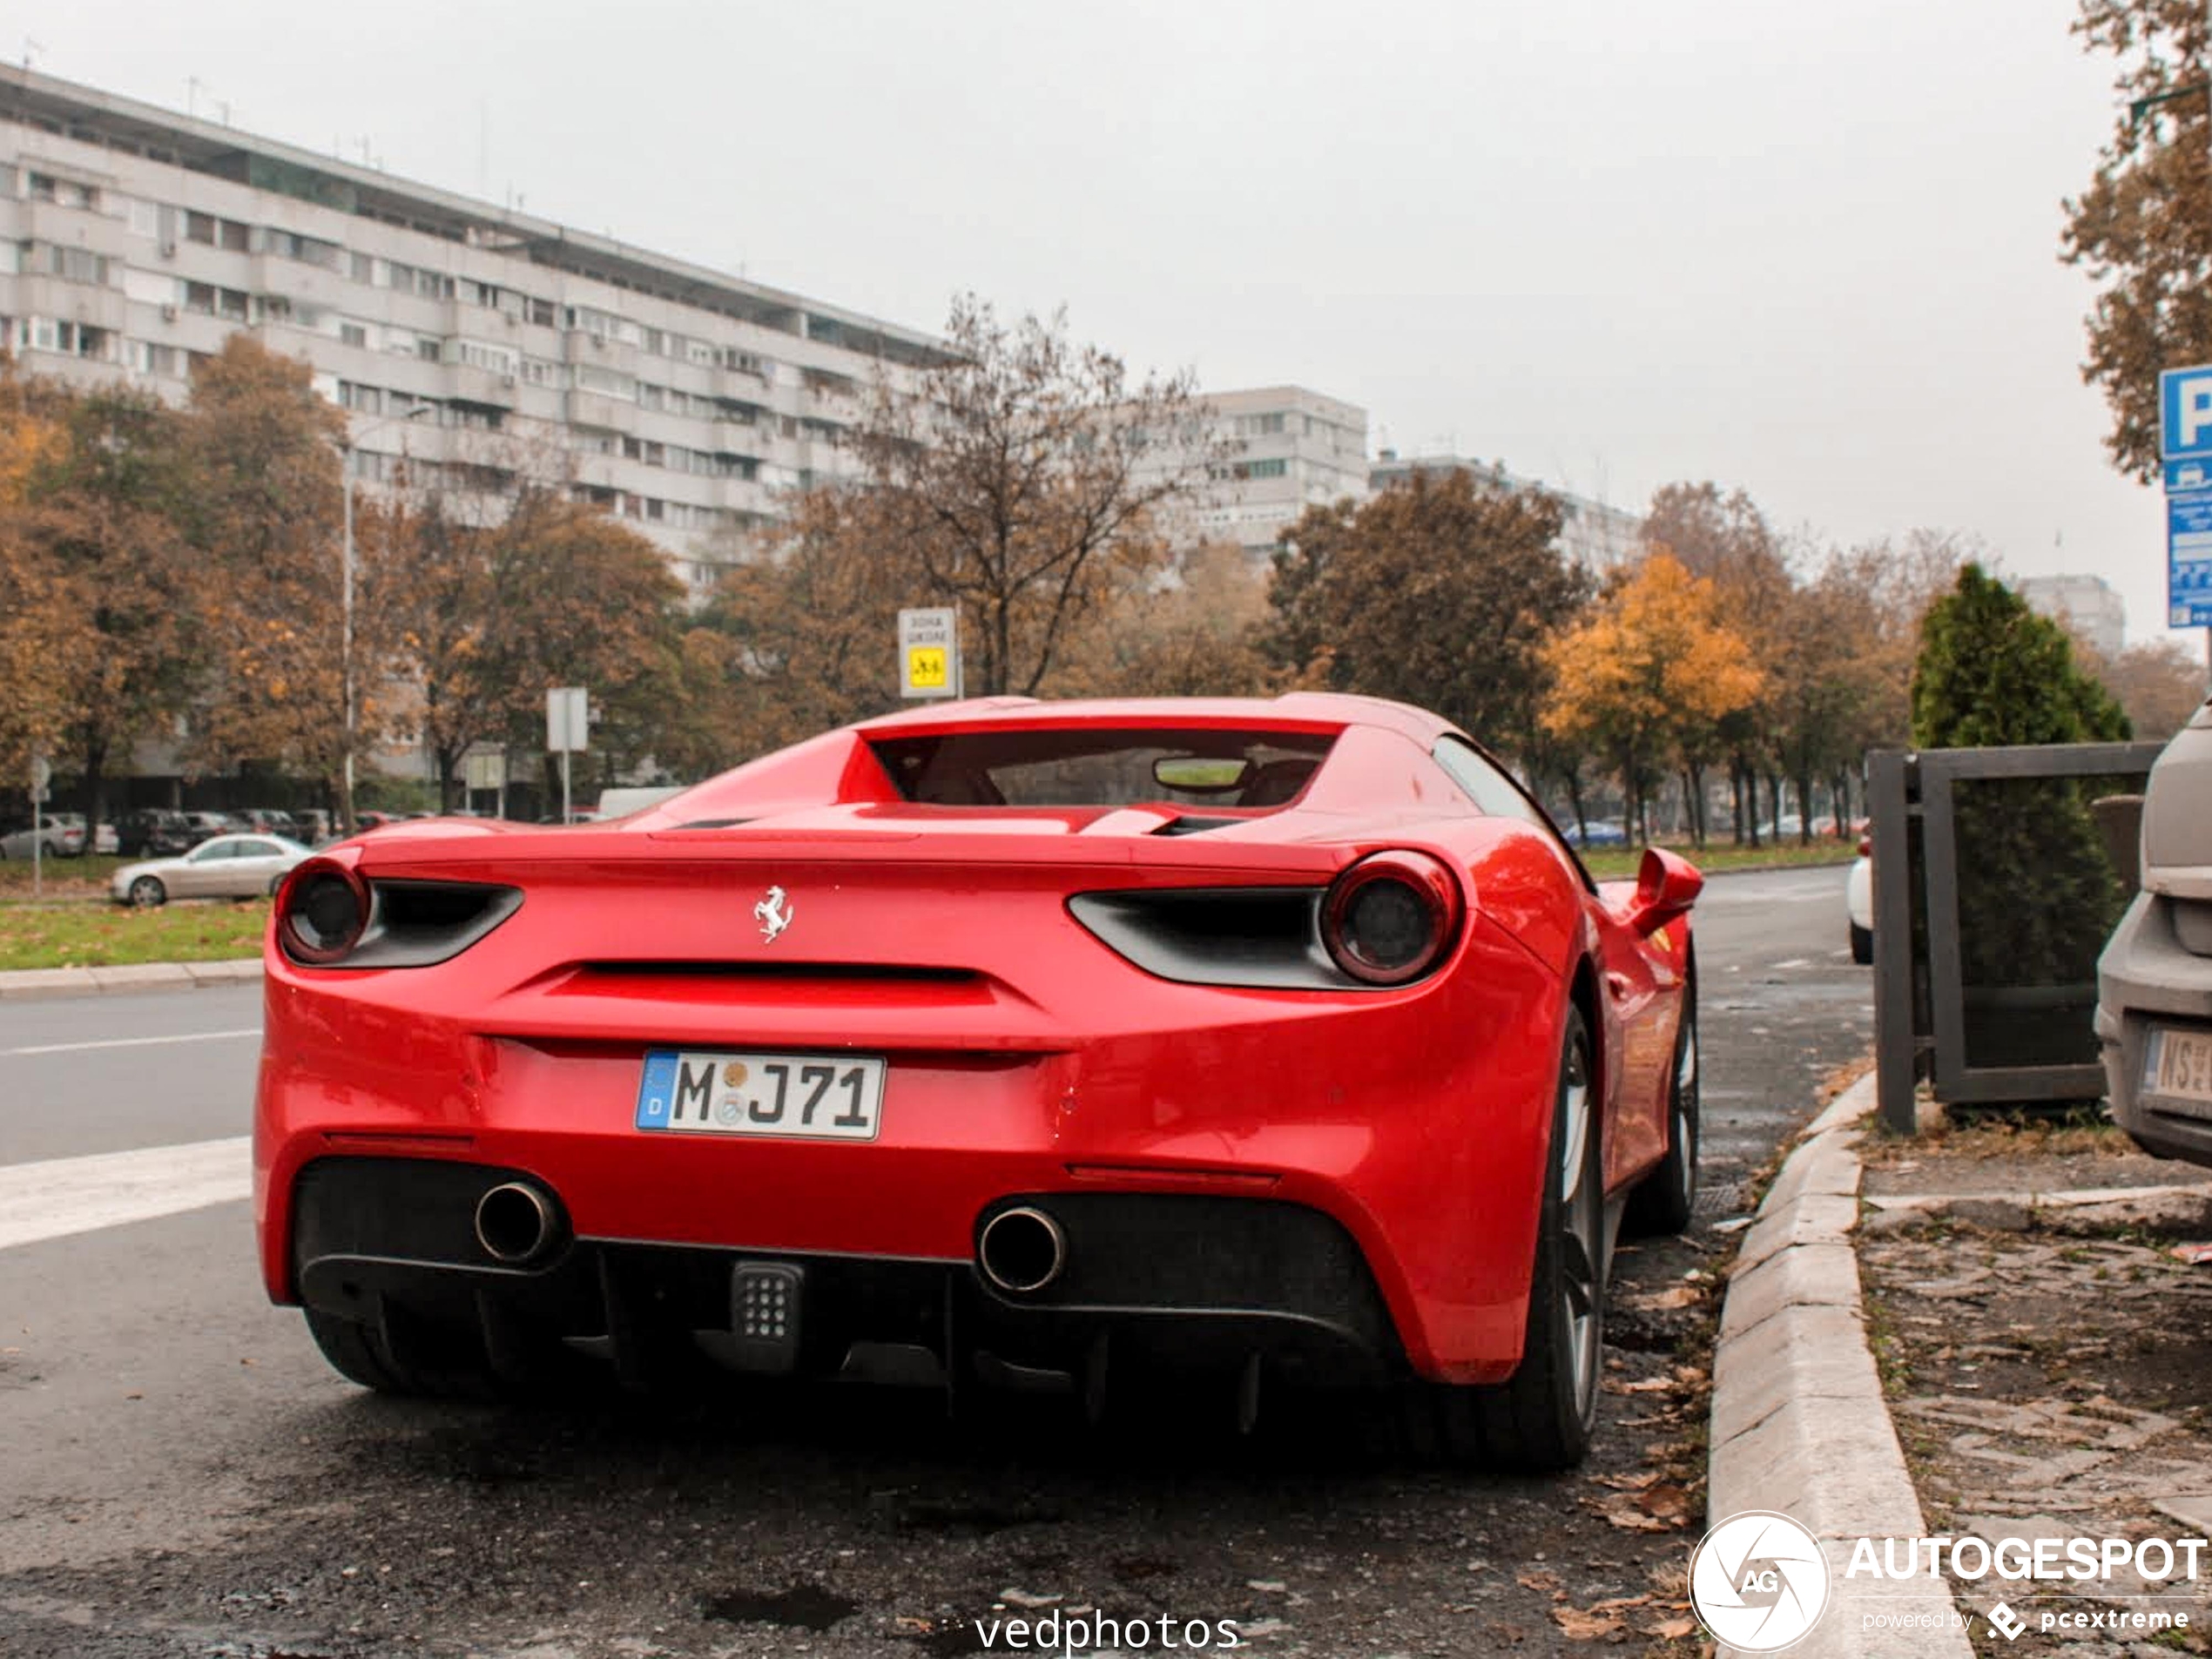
140,977
1798,1425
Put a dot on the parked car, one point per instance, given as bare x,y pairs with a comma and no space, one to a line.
1858,903
265,820
225,866
105,841
56,837
1258,1033
314,825
2155,979
153,832
72,827
206,825
1598,832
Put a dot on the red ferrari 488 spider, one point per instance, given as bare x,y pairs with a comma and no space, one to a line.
1002,1043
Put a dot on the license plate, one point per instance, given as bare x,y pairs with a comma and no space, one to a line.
2179,1064
813,1097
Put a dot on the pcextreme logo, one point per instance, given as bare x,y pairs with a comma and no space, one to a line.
1759,1581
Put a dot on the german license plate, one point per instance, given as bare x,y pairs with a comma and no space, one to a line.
2179,1064
813,1097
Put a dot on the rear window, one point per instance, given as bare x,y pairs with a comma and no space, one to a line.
1210,767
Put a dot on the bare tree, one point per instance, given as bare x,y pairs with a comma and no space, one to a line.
1021,474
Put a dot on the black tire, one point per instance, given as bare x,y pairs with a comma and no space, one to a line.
148,893
276,882
1663,1201
1542,1417
1862,944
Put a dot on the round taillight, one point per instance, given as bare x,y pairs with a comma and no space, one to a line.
322,910
1390,918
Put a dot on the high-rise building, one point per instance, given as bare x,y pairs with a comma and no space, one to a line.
468,338
1598,535
1278,450
2088,606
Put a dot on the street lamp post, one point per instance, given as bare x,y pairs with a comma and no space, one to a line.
347,450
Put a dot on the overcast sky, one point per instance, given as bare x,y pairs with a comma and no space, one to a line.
1810,250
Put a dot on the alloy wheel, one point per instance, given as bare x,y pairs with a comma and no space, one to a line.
1580,1227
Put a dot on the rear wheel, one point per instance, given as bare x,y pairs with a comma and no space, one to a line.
1862,944
1542,1417
1663,1201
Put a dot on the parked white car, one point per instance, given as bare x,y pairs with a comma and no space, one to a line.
1858,903
229,867
59,836
2155,979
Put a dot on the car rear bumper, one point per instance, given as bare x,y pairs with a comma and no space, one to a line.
1195,1281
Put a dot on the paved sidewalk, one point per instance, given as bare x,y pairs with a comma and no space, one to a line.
2042,1351
142,976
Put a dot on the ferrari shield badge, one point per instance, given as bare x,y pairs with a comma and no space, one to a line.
774,913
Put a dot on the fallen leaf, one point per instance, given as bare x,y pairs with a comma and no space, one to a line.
1674,1296
1649,1385
1672,1629
1542,1579
2195,1255
1625,1512
1636,1482
1667,1502
1613,1604
1578,1626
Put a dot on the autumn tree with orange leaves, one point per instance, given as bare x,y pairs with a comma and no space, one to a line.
1655,667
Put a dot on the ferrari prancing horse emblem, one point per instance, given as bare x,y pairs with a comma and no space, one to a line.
774,913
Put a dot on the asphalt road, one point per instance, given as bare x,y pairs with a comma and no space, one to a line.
181,1475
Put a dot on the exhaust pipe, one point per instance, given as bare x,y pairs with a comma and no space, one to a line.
515,1223
1021,1251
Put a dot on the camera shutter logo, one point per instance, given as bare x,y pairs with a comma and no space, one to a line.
1759,1582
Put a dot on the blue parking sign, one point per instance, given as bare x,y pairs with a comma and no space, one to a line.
2185,413
2188,559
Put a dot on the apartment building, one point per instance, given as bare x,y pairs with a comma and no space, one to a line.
1598,535
2089,605
465,340
1276,451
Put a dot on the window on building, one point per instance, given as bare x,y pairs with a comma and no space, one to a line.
361,268
362,399
541,313
63,192
353,333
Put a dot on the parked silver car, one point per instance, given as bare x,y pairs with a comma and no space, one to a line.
2155,979
229,867
59,835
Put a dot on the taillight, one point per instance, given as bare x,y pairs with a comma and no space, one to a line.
1866,846
1391,917
322,910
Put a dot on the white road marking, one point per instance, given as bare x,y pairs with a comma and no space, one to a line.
1795,961
131,1043
57,1196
